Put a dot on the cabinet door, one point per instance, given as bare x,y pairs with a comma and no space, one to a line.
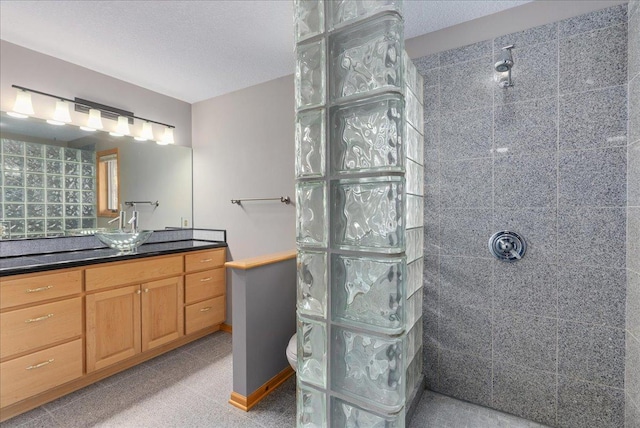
113,326
162,312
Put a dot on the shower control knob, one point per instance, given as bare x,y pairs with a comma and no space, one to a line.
507,246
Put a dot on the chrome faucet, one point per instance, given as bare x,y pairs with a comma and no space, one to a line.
134,220
122,219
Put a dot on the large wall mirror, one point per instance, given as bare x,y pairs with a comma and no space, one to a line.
49,180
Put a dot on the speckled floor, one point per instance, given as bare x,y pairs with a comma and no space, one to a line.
190,387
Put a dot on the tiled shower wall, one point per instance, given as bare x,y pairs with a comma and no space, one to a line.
632,378
544,337
45,189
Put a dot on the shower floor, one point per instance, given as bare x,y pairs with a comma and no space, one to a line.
190,386
439,411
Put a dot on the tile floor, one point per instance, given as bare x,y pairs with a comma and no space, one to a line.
189,387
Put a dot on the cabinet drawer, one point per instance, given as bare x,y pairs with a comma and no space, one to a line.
124,273
35,373
205,285
40,325
205,259
205,314
36,288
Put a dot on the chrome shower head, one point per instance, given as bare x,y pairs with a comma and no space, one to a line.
505,62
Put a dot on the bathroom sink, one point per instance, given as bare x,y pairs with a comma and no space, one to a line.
126,242
86,231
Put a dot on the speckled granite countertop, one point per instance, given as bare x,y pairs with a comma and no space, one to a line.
44,262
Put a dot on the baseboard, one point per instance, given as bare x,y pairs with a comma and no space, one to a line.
226,328
246,403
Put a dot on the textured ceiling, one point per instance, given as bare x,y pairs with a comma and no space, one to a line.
190,50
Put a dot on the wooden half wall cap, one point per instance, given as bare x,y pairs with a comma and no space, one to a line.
255,262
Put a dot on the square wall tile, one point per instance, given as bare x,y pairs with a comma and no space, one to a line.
634,105
431,234
633,303
530,126
525,392
525,180
634,44
526,287
534,74
466,183
524,340
592,295
465,377
594,178
465,86
471,226
588,405
632,375
582,67
594,20
633,238
466,134
592,353
465,53
596,118
465,330
427,63
631,414
531,36
466,282
584,229
536,225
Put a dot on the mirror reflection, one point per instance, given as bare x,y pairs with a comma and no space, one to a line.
52,181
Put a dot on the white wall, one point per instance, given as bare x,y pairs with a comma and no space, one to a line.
31,69
243,147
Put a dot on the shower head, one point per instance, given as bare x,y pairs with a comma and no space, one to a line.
505,62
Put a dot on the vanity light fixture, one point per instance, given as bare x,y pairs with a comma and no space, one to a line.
147,132
61,115
122,128
167,137
23,107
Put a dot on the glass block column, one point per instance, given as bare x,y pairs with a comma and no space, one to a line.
359,191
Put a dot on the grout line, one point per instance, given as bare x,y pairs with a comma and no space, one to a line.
557,214
493,227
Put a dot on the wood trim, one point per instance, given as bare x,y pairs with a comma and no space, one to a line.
246,403
101,183
227,328
255,262
93,377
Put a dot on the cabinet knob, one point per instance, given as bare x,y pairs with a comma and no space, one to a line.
42,318
146,290
138,291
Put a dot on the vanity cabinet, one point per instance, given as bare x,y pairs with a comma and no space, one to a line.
129,319
205,289
64,329
40,333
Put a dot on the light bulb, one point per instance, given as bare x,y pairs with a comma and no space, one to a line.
167,138
23,107
61,114
147,132
122,128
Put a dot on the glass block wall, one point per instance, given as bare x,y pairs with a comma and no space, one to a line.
359,191
45,189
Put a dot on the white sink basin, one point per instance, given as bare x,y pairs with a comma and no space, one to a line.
126,242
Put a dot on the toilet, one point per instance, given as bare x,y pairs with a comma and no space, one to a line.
292,352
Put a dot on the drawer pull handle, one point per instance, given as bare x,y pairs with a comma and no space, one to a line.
205,260
42,318
206,279
37,366
35,290
208,308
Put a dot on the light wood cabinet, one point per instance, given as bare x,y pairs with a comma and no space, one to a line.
162,312
113,326
64,329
